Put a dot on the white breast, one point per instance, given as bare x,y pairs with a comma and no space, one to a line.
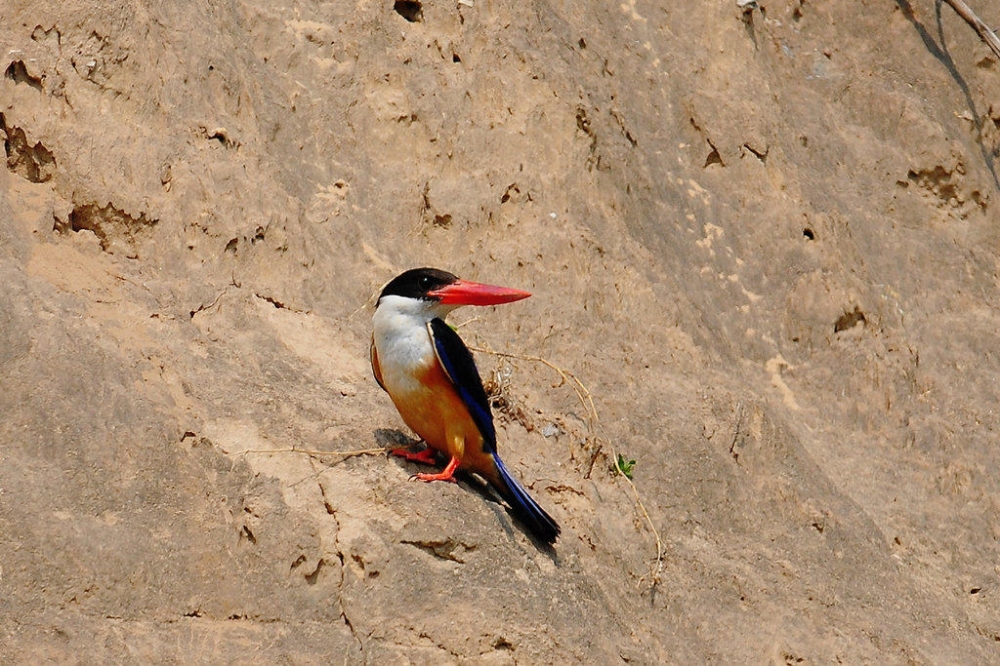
403,342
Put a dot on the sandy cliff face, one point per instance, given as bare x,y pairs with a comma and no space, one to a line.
766,243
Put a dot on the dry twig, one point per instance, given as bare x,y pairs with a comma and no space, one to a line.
567,377
319,454
988,36
593,422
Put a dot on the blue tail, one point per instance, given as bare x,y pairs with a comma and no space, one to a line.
525,508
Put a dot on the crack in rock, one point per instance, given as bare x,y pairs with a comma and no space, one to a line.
343,569
445,549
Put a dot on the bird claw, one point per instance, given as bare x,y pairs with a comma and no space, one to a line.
433,477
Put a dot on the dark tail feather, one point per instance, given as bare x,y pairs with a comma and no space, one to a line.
525,508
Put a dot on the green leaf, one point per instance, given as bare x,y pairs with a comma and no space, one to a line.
624,467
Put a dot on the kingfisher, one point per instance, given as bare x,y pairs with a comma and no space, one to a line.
431,377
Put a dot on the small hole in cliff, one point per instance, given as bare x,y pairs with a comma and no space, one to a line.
442,221
713,157
314,576
85,218
18,73
35,163
582,43
849,320
582,121
221,135
455,58
231,245
502,643
809,234
411,10
511,191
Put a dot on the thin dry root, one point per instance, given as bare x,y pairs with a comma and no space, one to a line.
314,455
319,454
582,393
593,423
654,573
987,35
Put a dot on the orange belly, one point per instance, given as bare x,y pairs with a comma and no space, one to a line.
437,413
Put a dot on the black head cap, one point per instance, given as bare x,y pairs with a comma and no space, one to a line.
416,282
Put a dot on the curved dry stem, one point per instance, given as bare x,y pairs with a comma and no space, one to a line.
318,454
344,455
582,392
658,562
593,422
984,31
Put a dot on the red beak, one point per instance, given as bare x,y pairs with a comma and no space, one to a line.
463,292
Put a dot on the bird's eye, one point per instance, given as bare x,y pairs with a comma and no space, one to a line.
424,282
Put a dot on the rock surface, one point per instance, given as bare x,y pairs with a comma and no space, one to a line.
766,242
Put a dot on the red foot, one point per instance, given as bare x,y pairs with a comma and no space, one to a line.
446,475
425,456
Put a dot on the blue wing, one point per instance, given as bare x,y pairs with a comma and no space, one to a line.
458,364
457,361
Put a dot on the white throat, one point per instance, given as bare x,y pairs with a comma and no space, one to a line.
401,336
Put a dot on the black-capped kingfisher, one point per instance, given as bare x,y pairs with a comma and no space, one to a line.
430,375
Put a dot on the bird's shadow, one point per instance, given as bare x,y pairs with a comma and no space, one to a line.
389,438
